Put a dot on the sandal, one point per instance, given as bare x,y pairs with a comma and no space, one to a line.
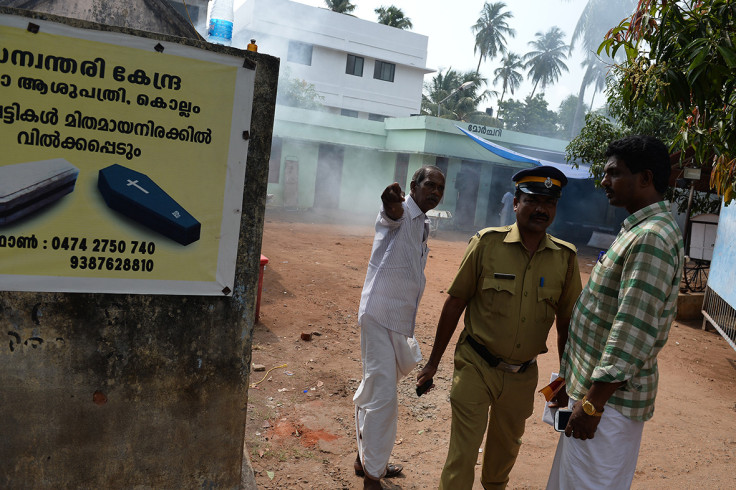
392,470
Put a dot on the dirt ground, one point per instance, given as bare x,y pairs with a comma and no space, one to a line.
300,431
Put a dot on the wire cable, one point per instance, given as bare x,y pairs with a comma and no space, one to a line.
253,385
186,9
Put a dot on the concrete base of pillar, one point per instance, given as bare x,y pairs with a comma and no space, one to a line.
689,306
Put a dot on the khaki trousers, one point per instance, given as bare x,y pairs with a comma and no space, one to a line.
476,387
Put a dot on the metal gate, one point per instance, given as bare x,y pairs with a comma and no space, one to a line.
721,315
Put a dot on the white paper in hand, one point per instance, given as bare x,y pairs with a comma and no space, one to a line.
548,415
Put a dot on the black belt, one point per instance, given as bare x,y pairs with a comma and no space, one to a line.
494,361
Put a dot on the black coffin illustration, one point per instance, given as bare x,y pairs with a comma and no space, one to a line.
26,187
136,196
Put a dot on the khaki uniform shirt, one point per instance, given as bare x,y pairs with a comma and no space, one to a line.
513,298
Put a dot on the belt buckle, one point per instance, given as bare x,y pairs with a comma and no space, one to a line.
528,363
509,368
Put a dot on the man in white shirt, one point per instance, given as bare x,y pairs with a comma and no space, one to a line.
388,306
507,216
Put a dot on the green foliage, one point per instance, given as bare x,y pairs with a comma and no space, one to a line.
340,6
596,71
566,114
509,74
652,119
442,95
621,120
703,202
491,30
484,119
680,57
295,92
590,145
394,17
546,61
595,20
530,116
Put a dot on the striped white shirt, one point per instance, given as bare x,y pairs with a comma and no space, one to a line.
395,280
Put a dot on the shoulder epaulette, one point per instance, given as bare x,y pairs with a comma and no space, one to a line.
565,244
492,229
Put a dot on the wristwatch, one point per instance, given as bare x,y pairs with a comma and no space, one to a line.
589,408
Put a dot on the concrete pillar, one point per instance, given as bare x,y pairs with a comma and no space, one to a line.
123,391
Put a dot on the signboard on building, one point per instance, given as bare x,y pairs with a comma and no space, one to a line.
122,164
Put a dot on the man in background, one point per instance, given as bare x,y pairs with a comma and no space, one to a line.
388,306
514,282
619,325
506,215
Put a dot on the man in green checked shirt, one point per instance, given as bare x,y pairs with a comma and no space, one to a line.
619,324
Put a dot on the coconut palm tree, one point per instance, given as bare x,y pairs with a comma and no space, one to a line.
597,17
340,6
508,74
456,104
546,61
469,98
438,88
491,30
394,17
595,74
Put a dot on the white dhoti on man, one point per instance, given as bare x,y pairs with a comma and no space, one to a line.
606,461
387,356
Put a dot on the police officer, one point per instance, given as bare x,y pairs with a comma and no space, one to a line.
513,283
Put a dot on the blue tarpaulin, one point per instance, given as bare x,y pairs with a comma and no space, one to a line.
569,171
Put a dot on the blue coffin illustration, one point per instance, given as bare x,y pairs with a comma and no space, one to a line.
136,196
27,187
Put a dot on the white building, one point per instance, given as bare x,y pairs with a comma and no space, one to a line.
361,68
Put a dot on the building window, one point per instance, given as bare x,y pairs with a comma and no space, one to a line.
354,66
274,162
384,71
300,53
401,170
376,117
348,113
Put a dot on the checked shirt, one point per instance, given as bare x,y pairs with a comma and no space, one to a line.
622,318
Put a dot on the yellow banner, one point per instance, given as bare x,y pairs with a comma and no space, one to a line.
114,163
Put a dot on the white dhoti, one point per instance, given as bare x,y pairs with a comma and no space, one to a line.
387,357
606,461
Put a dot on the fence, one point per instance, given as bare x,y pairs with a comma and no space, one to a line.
721,315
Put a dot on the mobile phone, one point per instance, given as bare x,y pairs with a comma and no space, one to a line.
561,418
424,387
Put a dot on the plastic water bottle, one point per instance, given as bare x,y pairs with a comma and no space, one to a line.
220,29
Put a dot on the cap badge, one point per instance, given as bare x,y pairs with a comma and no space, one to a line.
548,183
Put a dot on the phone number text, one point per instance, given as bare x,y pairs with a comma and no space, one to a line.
101,263
95,245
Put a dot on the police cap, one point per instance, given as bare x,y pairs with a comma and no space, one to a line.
544,180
